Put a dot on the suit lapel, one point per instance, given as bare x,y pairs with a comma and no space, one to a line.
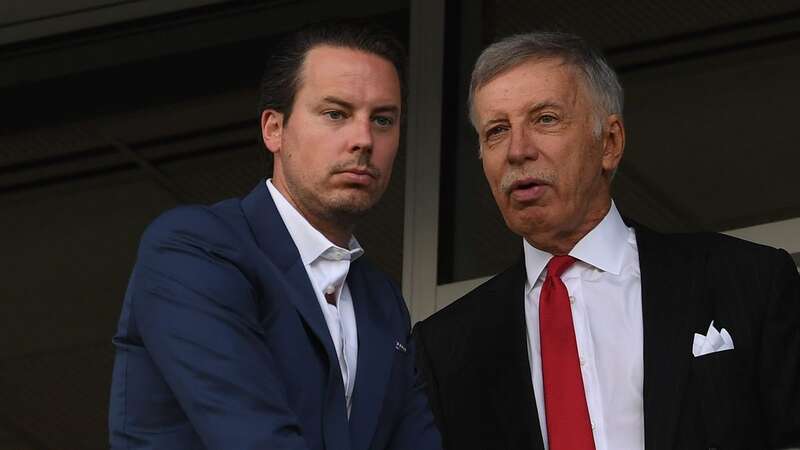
275,241
669,285
510,385
277,245
375,354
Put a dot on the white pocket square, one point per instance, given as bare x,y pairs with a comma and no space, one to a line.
713,341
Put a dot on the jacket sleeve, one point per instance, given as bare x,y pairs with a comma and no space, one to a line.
416,428
197,315
780,356
426,373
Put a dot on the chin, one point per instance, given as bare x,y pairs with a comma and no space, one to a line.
526,222
350,204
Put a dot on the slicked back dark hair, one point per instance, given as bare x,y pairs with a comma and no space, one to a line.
282,76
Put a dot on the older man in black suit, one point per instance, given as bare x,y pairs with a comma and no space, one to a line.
605,335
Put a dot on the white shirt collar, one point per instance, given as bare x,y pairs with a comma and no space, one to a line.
309,241
603,248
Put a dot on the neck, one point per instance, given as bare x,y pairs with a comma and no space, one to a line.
335,233
338,230
561,242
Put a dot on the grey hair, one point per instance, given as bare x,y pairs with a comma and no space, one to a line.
512,51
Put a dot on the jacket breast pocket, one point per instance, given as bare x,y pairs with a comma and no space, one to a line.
725,390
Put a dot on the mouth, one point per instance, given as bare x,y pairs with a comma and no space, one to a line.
527,189
358,175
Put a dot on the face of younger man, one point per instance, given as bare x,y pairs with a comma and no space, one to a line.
334,154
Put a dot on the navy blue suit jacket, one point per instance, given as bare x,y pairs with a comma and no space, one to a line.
222,345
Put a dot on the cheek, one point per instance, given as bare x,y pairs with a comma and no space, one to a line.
316,148
493,172
384,164
384,152
587,172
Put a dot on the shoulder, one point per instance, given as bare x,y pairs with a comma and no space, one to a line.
748,260
194,223
457,338
729,246
713,246
734,262
198,251
473,311
186,239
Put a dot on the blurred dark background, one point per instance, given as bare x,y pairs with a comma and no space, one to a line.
112,112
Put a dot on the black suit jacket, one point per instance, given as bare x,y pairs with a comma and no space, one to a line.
474,352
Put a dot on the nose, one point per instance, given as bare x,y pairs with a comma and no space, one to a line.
362,135
522,146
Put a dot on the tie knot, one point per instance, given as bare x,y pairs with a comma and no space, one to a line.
558,264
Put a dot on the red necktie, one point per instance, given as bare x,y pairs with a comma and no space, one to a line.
568,425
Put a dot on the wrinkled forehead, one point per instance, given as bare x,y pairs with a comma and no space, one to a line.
536,80
551,61
537,69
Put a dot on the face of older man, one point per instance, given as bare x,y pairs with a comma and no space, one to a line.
547,166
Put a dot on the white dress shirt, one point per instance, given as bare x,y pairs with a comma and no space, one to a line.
604,286
327,266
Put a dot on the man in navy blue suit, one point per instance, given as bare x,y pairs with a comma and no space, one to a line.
255,323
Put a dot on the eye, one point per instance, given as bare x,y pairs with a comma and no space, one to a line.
383,121
334,114
547,119
495,131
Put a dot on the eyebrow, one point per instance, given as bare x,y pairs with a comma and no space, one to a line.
387,109
347,105
535,107
494,121
545,104
338,101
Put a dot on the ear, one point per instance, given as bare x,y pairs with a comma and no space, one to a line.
272,129
613,143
